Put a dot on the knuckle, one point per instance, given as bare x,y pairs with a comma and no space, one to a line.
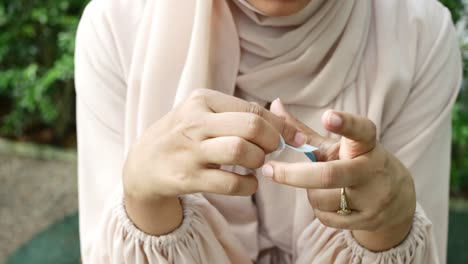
377,169
192,123
199,93
252,186
288,132
385,199
349,123
280,174
386,194
183,180
257,104
313,202
237,149
379,220
182,177
233,186
346,225
372,217
255,108
372,130
373,223
254,126
311,195
326,220
328,176
260,160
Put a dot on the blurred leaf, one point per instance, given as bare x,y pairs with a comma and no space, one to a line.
36,63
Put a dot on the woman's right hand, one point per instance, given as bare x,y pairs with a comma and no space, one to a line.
183,151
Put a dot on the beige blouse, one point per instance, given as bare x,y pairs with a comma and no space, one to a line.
406,82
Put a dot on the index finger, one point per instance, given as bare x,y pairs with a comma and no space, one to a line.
218,102
318,175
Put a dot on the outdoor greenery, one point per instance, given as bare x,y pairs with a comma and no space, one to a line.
459,169
456,7
36,74
36,64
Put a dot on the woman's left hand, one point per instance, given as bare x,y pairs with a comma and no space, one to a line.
379,188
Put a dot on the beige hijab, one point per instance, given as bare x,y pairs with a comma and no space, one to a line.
305,59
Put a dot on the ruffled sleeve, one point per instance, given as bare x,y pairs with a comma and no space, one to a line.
203,237
321,244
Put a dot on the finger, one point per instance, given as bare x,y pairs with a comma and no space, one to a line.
224,182
245,125
319,175
232,151
329,199
220,103
354,221
324,199
327,147
279,110
354,127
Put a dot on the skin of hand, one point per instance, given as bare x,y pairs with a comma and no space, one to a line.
279,7
182,153
379,188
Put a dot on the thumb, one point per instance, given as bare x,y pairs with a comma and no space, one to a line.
328,148
279,110
359,134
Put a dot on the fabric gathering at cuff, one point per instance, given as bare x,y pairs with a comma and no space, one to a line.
202,237
190,204
321,244
417,241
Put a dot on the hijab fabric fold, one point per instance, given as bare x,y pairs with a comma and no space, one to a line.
307,58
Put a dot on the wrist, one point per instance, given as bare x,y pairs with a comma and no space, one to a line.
152,213
154,216
385,238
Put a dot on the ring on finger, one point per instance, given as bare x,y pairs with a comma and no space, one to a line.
344,210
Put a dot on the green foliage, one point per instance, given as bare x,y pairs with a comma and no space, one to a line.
455,6
36,63
459,169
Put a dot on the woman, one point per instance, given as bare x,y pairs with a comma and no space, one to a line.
198,185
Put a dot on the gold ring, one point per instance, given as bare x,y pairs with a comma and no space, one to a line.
343,204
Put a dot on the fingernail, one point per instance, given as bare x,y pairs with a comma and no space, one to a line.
281,106
335,120
267,171
300,139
